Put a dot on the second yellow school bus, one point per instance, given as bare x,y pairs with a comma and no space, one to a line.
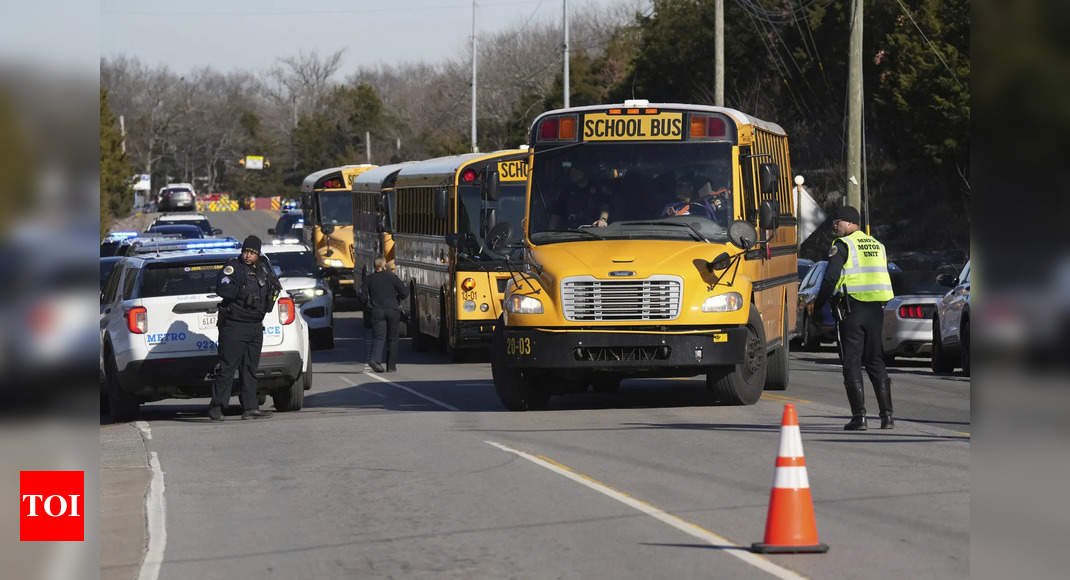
659,242
328,207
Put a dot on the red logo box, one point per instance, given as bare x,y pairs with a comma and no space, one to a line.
52,506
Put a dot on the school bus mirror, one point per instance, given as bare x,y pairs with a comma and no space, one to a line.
721,262
441,204
768,214
452,240
491,185
327,229
742,234
768,176
499,236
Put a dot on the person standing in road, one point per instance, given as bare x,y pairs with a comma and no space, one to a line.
857,275
383,292
249,289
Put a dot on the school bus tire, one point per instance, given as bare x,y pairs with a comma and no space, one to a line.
742,384
517,389
420,341
778,366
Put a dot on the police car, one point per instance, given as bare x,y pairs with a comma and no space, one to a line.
295,265
191,218
159,337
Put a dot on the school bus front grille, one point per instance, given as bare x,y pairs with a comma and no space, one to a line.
588,299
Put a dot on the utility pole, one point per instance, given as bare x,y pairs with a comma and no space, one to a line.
368,146
122,133
718,53
854,109
564,26
475,146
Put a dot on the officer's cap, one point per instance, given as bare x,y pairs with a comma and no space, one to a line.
251,243
846,213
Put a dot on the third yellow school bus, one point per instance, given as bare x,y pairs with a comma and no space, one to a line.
659,242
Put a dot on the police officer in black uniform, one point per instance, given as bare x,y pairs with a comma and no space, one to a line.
249,289
857,275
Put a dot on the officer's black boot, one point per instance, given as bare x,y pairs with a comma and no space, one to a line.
856,397
884,400
215,413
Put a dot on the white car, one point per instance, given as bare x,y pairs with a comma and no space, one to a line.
158,334
295,265
192,218
174,196
951,325
907,329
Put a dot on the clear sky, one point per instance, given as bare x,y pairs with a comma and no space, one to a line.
252,34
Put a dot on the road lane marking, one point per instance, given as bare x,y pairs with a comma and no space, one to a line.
685,526
352,384
446,406
155,513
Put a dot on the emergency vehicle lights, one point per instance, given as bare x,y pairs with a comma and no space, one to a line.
137,320
278,242
707,127
121,235
727,302
561,128
287,311
468,176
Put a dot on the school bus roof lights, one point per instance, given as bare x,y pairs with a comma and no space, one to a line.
707,127
558,128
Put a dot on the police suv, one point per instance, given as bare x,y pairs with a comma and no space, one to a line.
159,338
295,265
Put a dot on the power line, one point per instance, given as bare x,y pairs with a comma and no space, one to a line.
932,46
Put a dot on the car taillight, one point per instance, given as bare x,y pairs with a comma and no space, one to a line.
912,311
137,320
287,311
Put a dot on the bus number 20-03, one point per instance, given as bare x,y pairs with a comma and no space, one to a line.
518,346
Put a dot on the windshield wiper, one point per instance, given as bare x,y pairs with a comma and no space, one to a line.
571,231
694,231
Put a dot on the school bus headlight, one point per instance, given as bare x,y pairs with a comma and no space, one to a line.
728,302
517,304
333,263
469,306
468,284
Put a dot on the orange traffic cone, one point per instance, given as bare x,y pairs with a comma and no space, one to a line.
790,527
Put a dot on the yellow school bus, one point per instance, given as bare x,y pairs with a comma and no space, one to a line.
659,242
453,221
327,203
372,191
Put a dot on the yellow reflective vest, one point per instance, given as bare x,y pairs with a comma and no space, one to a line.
865,271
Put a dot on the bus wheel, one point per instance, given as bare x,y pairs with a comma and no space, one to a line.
517,389
420,341
742,384
776,374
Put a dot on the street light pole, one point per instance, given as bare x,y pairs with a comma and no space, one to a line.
718,53
564,18
475,145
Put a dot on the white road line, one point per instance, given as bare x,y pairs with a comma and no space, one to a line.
156,514
352,384
685,526
446,406
143,426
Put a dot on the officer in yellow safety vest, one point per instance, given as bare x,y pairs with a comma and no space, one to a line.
857,275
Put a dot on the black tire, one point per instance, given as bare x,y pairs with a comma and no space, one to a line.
778,367
307,379
742,384
964,348
122,406
810,342
290,398
940,361
607,384
420,341
517,389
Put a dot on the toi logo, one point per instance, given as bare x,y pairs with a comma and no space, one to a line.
52,506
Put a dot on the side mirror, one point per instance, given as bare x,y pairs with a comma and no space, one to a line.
271,231
451,240
492,185
768,176
742,234
217,232
327,229
769,214
948,280
441,204
721,262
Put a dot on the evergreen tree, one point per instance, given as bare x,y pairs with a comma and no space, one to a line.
116,194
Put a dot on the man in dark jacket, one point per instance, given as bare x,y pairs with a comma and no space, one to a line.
249,289
383,292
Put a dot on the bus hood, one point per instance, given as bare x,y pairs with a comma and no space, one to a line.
623,259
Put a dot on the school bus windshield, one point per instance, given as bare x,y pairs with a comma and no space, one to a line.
336,208
477,217
632,191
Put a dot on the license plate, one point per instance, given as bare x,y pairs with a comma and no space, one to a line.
209,320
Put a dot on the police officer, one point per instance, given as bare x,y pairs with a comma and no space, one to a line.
858,276
249,289
384,292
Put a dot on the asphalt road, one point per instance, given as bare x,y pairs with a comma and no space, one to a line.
416,474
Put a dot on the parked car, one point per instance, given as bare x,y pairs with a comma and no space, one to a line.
908,316
821,327
177,196
295,265
291,224
190,218
951,324
184,231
